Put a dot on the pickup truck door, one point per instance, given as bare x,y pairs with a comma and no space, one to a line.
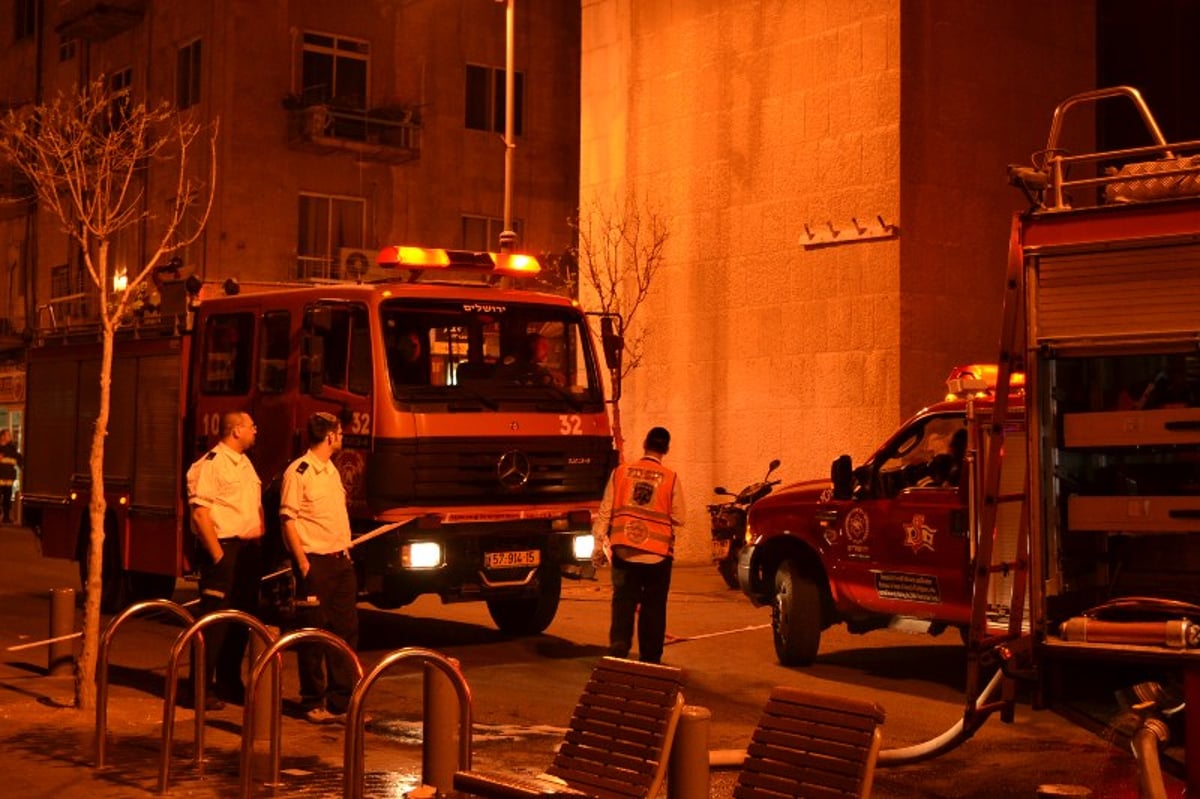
906,533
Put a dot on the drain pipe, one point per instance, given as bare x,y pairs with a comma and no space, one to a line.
957,734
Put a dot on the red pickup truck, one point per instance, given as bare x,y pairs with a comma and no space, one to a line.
889,542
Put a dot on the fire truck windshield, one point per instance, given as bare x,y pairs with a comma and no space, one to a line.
440,351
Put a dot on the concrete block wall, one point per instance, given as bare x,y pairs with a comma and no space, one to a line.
746,120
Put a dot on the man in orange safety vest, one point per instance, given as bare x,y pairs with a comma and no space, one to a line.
635,530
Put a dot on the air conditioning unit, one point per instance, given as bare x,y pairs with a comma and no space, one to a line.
356,262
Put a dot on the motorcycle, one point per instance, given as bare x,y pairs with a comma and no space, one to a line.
729,522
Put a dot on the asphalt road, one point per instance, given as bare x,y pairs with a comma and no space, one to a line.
523,691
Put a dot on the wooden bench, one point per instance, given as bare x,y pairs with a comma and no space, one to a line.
811,745
617,743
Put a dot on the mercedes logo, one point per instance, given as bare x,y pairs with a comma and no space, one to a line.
513,468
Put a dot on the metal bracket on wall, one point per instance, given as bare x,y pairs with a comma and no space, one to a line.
827,235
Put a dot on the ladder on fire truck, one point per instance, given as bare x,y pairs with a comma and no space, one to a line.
989,648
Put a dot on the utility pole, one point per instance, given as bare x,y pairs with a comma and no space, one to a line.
508,237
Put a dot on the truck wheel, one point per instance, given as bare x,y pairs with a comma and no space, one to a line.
114,580
529,615
796,616
144,585
728,570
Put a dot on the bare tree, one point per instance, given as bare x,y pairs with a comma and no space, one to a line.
620,251
89,156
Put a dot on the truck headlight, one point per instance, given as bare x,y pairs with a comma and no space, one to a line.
421,555
583,546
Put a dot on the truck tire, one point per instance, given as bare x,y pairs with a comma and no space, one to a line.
144,585
529,615
795,616
115,590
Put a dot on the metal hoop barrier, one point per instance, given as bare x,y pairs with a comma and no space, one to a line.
102,660
199,686
275,649
352,785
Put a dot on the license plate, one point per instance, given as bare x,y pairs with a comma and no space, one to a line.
720,550
510,560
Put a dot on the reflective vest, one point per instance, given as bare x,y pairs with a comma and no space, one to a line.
641,514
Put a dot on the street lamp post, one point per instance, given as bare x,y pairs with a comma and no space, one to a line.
508,237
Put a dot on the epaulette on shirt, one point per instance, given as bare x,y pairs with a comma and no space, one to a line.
302,468
212,453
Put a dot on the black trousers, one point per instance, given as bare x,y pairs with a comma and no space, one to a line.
328,600
639,590
233,582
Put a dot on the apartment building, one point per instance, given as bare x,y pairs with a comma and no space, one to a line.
343,127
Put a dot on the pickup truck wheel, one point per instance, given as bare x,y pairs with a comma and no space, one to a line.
529,615
796,616
728,570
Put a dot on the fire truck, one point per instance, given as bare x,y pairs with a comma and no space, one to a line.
1070,544
477,442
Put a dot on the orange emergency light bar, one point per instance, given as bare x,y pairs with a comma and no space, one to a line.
500,263
979,380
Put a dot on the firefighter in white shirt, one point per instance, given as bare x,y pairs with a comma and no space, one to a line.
316,528
225,497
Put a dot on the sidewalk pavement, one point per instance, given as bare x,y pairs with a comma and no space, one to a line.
49,749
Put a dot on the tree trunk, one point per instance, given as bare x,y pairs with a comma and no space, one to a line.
85,675
618,434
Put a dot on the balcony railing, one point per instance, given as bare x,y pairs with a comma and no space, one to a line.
389,134
95,21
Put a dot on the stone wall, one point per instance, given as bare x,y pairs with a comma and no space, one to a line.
759,126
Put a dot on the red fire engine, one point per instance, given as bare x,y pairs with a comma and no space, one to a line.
477,443
1071,542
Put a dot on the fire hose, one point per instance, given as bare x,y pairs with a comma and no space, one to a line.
955,735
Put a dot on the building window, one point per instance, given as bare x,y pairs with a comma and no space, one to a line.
482,233
67,297
26,18
328,226
60,282
120,83
333,70
187,77
66,48
485,99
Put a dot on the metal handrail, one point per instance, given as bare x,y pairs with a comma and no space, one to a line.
256,672
1051,165
200,688
102,660
352,785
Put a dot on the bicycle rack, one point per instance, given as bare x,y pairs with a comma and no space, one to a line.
199,687
353,758
102,661
260,665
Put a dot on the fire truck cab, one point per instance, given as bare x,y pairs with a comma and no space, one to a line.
886,543
476,445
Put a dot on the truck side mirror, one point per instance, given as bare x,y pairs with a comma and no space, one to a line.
312,363
842,475
612,341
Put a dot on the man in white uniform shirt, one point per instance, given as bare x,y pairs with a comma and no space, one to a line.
225,497
316,528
